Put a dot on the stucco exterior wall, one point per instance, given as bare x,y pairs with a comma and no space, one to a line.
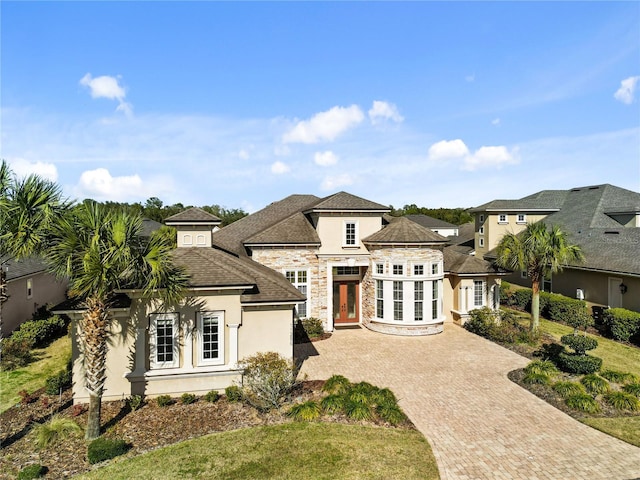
266,330
194,236
494,230
46,290
331,232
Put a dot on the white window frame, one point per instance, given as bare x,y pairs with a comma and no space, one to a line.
379,268
419,266
303,287
356,236
398,301
481,230
402,267
435,268
523,274
219,359
380,299
481,284
506,218
153,340
187,239
436,290
418,300
29,287
200,240
481,241
481,218
523,220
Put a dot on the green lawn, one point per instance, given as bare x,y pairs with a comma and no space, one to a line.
49,361
289,451
624,428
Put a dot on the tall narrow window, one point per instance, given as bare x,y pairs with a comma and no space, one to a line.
211,337
397,301
299,280
418,298
164,340
478,293
379,299
435,268
380,268
350,233
435,297
29,287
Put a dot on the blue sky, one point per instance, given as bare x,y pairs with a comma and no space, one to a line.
241,104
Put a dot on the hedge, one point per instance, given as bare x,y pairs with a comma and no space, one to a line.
579,364
553,306
41,332
622,324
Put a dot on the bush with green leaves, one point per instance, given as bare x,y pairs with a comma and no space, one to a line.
135,402
632,388
522,298
567,389
505,293
267,380
538,378
164,400
15,353
58,383
211,396
583,402
336,384
313,327
622,324
333,403
622,401
306,411
541,366
578,364
391,413
32,471
105,449
188,398
233,393
619,377
570,311
595,384
41,332
579,343
498,326
57,428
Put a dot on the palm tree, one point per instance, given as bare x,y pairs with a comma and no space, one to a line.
28,209
540,252
101,251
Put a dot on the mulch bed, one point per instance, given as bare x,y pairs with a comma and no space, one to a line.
146,428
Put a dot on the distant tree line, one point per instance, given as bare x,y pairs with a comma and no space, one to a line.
457,216
155,209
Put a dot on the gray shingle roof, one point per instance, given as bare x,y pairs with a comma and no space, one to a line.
546,200
193,215
404,231
430,222
149,226
24,268
208,267
343,201
232,236
294,230
460,263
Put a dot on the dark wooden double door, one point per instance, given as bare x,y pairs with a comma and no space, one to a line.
345,302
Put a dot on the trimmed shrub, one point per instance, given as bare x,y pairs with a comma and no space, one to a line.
579,364
332,403
233,393
211,396
570,311
579,343
55,429
306,411
595,384
583,402
622,324
164,400
505,294
536,378
313,327
135,402
267,380
32,471
619,377
633,389
622,401
522,299
41,332
15,353
567,389
105,449
58,383
541,366
188,398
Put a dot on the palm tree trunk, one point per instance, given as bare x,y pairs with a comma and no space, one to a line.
535,306
94,336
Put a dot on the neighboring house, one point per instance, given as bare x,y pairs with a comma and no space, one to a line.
436,225
604,220
335,258
29,287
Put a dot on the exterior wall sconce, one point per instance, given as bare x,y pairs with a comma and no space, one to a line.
623,288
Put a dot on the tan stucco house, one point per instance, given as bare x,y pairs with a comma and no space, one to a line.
604,220
341,258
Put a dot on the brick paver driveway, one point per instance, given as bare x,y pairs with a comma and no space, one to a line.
455,389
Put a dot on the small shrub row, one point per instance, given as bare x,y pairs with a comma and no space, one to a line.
233,393
41,332
188,398
135,402
102,449
59,382
211,396
164,400
578,364
623,325
498,326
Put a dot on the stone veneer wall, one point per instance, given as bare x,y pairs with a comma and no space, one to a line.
390,256
281,259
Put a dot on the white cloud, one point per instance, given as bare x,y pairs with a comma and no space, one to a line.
107,87
627,90
490,157
99,184
325,159
495,121
381,111
447,150
335,181
23,168
325,126
279,168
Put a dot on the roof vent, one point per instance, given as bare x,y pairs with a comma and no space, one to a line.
576,189
611,232
594,188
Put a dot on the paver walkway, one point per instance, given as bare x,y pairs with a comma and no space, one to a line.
454,387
